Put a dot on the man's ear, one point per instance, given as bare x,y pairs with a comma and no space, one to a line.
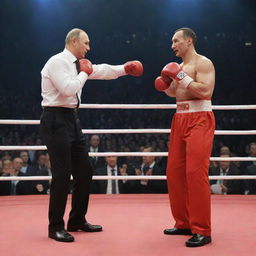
189,41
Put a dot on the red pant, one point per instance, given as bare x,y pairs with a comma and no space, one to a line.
187,170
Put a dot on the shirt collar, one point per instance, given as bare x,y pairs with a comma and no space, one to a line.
224,172
109,168
150,166
69,55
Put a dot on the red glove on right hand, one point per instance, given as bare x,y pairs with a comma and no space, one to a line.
86,66
134,68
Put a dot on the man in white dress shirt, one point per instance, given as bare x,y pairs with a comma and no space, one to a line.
63,77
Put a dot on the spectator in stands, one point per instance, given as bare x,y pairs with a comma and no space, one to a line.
97,162
225,150
249,168
149,167
25,161
225,186
7,170
40,169
111,186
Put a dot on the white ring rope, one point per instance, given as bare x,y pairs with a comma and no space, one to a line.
103,154
130,177
124,131
132,106
160,106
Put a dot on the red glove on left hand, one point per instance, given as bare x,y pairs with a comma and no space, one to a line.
174,71
134,68
162,84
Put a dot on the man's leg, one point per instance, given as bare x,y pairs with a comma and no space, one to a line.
176,177
199,146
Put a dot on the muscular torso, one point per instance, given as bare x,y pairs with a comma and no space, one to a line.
191,68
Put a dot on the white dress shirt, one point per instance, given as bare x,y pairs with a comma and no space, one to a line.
94,150
61,83
216,188
109,186
145,182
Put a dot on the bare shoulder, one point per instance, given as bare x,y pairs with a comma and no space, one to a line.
204,64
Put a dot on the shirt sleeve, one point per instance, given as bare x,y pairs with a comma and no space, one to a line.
107,72
64,82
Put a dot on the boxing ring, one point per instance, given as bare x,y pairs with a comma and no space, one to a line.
132,223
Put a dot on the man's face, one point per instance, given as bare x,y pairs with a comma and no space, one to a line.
41,160
95,141
148,160
224,150
253,150
17,163
82,45
111,161
24,156
224,165
179,44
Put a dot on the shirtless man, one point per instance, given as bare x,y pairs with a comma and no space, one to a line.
192,132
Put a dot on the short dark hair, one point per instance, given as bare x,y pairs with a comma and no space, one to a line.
74,33
188,32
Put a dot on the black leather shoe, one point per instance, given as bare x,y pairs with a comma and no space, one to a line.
86,227
61,236
177,231
198,240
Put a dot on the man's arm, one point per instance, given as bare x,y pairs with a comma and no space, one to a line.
203,85
171,91
107,72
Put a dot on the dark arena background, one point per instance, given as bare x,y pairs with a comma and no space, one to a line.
34,30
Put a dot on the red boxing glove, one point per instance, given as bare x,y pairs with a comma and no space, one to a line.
86,66
174,71
134,68
162,84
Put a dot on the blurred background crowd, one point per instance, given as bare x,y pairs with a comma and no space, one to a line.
34,30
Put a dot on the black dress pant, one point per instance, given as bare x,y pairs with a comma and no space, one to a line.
61,132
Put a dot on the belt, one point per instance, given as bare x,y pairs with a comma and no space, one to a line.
60,109
194,106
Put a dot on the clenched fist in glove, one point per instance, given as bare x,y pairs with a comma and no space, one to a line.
134,68
174,71
162,83
86,66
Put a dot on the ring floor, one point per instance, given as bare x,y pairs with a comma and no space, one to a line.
133,226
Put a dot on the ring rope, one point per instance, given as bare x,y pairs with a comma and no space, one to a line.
132,106
160,106
103,154
123,131
130,177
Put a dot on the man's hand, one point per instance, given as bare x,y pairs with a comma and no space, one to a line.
162,83
86,66
133,68
224,189
174,71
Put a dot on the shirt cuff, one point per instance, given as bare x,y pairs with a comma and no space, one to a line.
82,77
121,70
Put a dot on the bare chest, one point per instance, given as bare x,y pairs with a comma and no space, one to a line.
182,93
